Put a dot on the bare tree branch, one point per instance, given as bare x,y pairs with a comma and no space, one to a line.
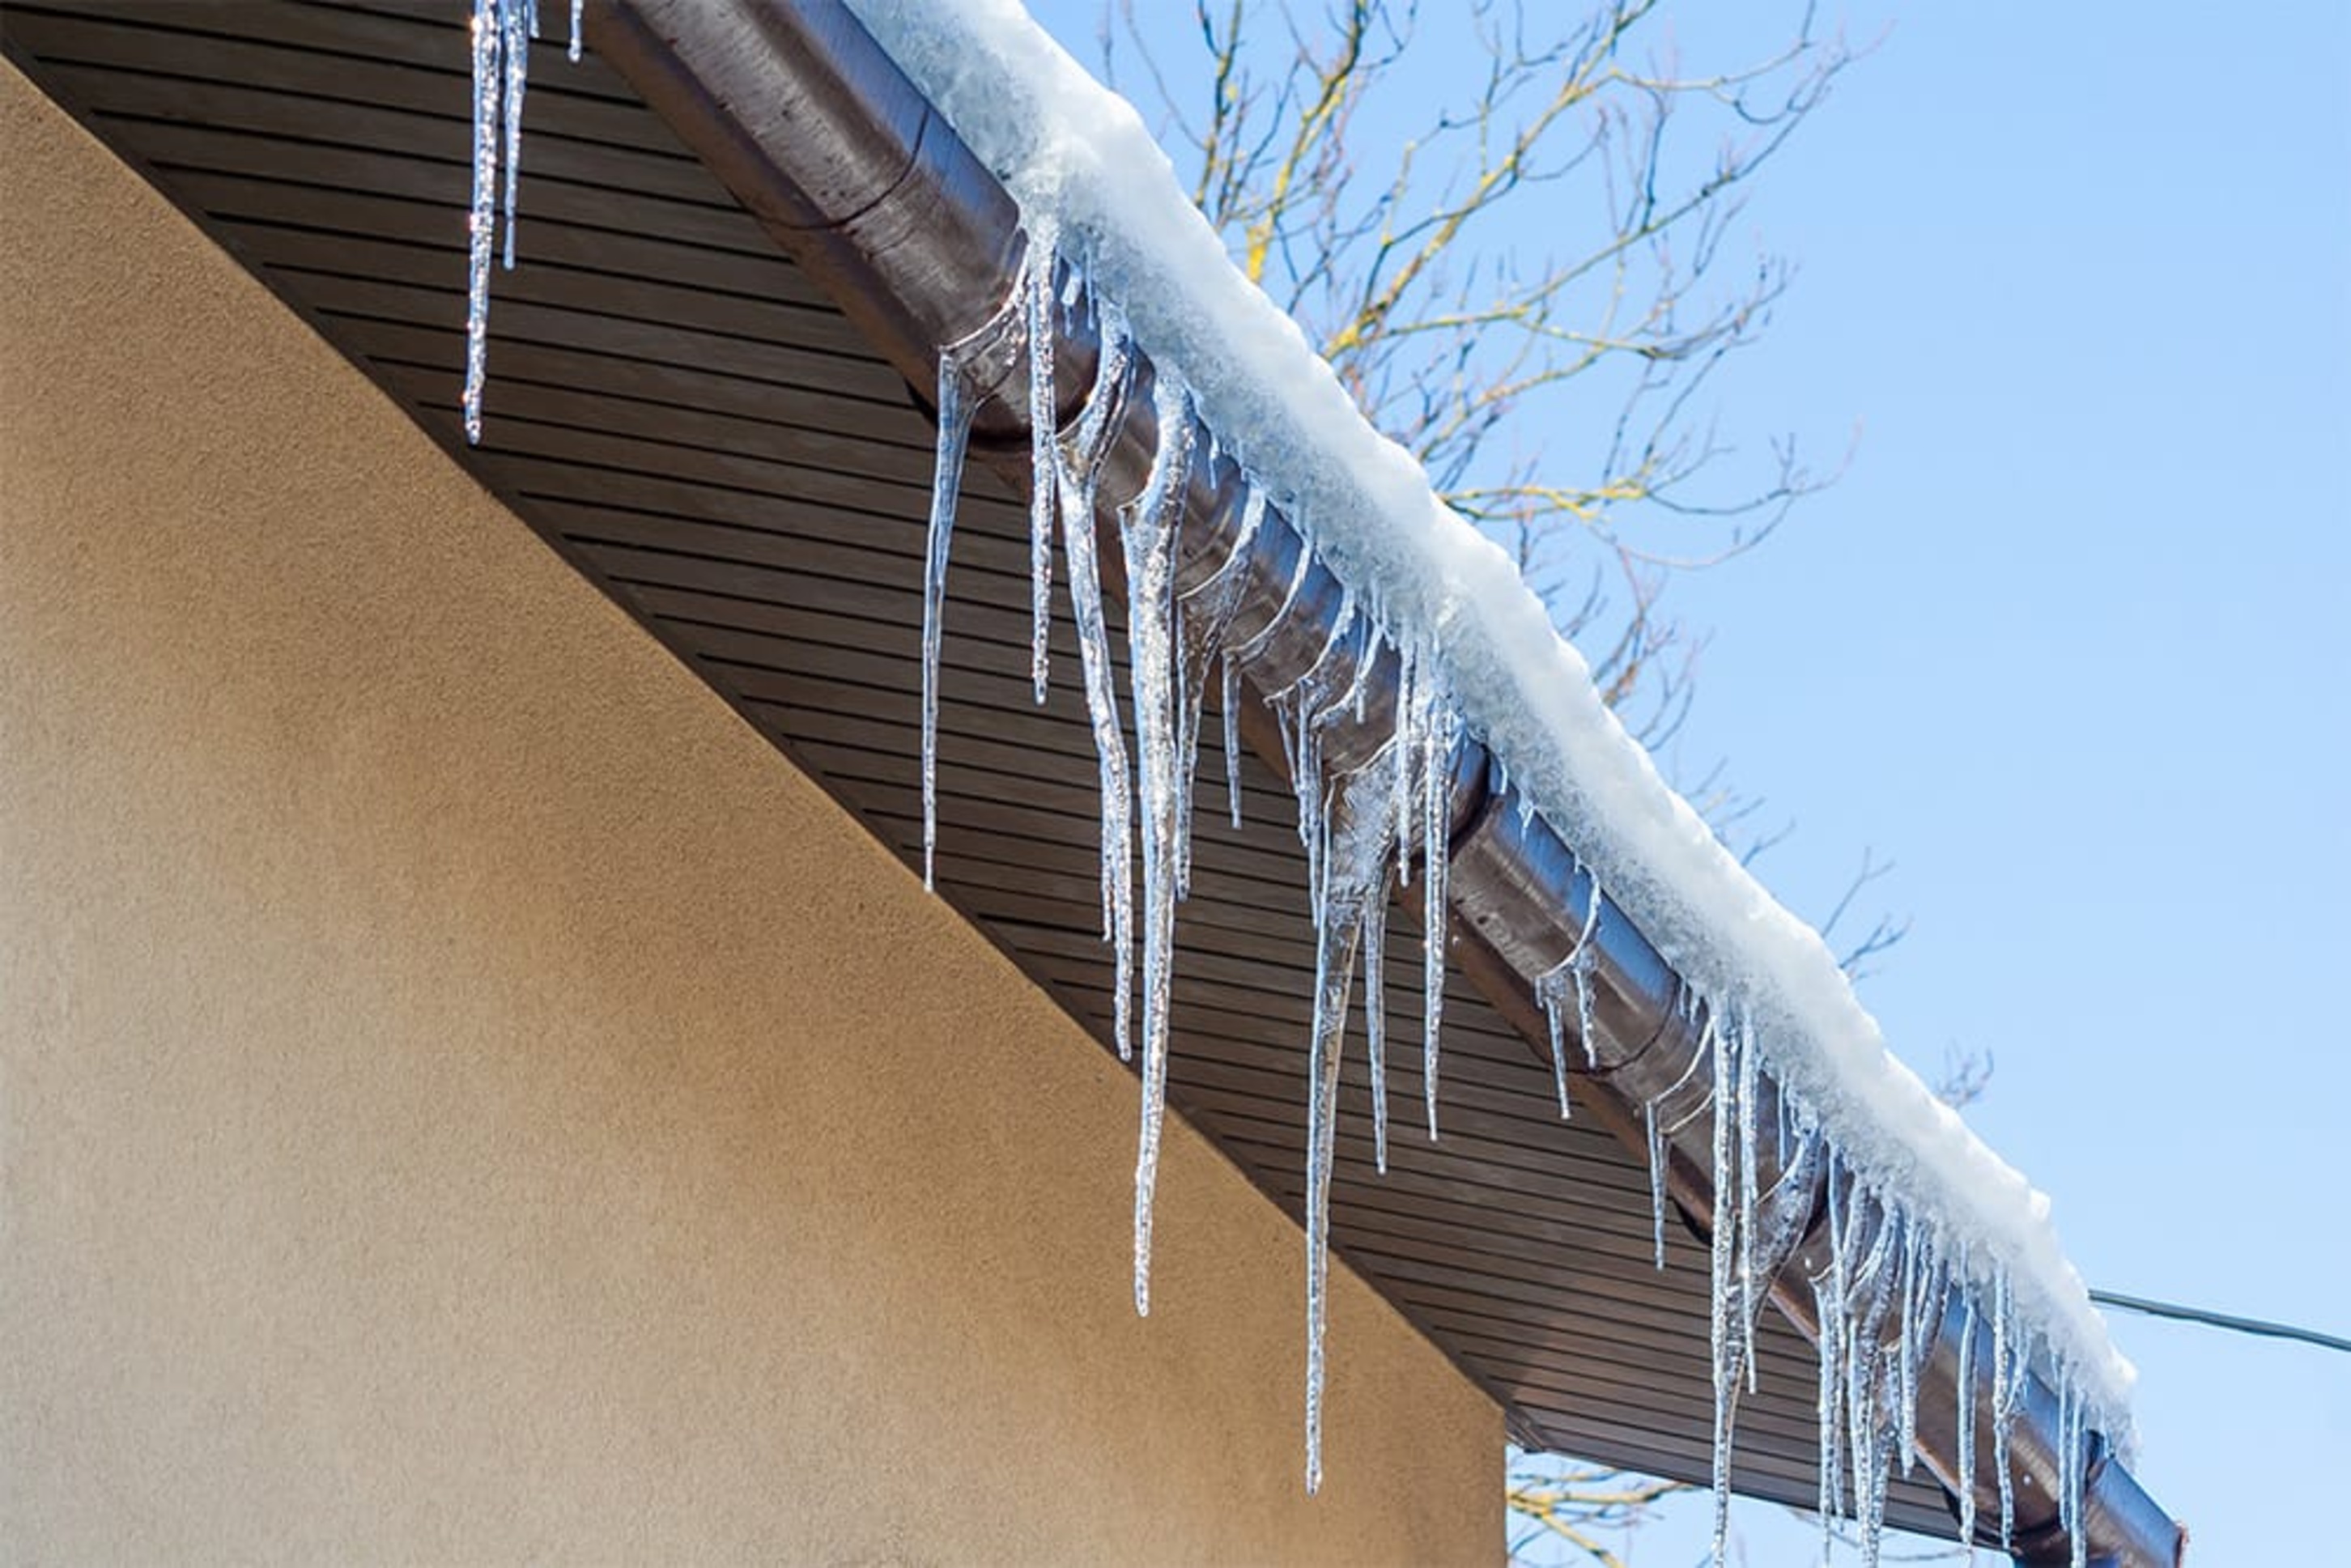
1531,276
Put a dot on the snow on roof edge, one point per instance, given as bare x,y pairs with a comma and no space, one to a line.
1068,148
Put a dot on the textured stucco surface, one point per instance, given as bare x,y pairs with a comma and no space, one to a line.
463,1097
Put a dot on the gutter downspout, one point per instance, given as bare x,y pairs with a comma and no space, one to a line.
820,136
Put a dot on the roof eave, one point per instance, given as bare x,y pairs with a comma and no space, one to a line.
816,130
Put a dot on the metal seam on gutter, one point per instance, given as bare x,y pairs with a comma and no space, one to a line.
921,246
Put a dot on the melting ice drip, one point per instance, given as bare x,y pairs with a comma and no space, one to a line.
1363,832
1781,1194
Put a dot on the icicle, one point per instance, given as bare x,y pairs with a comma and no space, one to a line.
1907,1331
1195,646
1872,1416
1333,953
1656,1140
1966,1437
502,35
1722,1248
1302,707
2077,1453
2004,1354
1881,1477
1353,880
956,408
1147,530
1438,735
1785,1212
1253,647
1657,1180
1044,420
1309,691
1376,1021
1552,988
1080,482
521,19
1778,1219
1221,597
1586,960
1408,744
1350,702
481,224
2071,1438
1829,1298
1231,700
1749,1178
1204,621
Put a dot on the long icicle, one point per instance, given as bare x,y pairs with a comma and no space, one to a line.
481,223
1965,1436
1376,1021
1829,1303
1924,1292
1872,1419
521,19
1229,701
956,402
1036,298
1080,486
1724,1251
1408,744
2005,1354
1149,533
1352,875
1749,1089
1438,732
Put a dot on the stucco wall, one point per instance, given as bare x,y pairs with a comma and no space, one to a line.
463,1097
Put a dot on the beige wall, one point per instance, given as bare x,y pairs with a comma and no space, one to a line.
463,1097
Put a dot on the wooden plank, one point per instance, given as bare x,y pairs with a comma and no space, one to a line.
366,223
415,32
617,447
443,191
438,270
422,70
378,137
619,351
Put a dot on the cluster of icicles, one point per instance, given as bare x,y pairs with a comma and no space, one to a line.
1890,1281
1882,1300
1358,833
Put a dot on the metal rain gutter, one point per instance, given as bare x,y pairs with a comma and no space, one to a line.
816,130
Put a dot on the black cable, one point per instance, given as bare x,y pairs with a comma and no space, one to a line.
2221,1321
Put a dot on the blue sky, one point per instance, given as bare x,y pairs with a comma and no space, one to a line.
2068,644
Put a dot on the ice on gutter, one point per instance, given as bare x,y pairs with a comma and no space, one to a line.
1927,1203
1077,157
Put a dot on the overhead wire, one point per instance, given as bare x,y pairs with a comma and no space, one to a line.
2260,1326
